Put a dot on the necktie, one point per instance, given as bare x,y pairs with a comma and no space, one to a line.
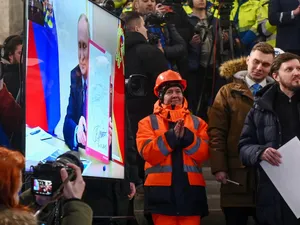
84,100
255,88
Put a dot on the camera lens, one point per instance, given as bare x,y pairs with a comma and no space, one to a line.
69,157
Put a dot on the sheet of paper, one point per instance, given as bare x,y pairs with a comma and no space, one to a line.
286,176
98,108
38,132
42,149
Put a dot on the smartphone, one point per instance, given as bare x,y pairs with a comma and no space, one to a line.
42,187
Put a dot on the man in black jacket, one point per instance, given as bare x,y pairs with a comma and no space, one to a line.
272,122
12,53
173,31
141,58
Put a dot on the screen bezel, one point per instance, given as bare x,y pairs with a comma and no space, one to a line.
23,94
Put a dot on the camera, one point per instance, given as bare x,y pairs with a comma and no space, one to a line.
46,178
109,5
153,38
200,29
225,10
154,19
136,85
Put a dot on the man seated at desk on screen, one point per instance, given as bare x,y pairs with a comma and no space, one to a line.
74,125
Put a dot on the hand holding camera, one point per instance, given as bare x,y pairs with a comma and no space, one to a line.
160,8
72,189
196,40
296,11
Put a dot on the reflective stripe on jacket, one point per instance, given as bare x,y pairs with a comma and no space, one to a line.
246,21
156,142
267,30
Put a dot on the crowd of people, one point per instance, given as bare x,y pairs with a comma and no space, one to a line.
227,94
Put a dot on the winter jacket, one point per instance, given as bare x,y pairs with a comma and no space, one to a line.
73,211
226,120
262,130
174,183
146,59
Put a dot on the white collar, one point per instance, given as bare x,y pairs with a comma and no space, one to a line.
250,82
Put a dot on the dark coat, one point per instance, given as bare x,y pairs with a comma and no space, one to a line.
74,110
74,211
12,79
146,59
262,130
288,31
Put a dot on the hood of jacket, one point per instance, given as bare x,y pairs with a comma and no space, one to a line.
172,115
134,38
229,68
236,70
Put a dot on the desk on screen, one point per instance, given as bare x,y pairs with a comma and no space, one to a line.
44,148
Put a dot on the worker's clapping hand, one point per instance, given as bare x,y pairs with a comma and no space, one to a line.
179,128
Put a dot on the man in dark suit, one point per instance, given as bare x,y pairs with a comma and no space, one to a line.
75,124
285,14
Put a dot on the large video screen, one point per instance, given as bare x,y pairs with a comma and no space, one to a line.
75,85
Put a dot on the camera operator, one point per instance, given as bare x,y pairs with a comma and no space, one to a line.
161,28
12,47
141,58
200,58
72,210
12,212
10,115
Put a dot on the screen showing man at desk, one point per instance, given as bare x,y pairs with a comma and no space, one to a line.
75,86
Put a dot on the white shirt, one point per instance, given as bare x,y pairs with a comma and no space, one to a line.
250,82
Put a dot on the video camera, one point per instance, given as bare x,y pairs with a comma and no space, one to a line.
46,178
136,85
109,5
201,29
225,7
156,19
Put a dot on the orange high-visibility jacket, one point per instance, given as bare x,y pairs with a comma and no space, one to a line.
155,143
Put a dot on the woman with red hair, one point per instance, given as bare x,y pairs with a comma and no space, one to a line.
11,212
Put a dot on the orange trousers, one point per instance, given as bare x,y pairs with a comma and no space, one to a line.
159,219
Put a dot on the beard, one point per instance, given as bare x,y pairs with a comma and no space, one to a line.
290,86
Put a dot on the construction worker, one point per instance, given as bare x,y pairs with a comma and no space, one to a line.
174,145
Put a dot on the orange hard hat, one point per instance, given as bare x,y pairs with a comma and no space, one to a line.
168,77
